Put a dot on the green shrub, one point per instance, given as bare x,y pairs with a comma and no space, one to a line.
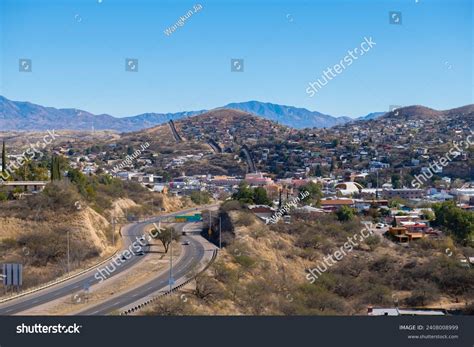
3,196
245,219
200,198
231,205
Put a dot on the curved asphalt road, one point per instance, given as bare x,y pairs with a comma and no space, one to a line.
85,280
191,257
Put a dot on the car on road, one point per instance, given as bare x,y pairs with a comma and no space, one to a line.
380,226
186,243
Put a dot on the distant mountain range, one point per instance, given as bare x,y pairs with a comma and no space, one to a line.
373,115
288,115
25,116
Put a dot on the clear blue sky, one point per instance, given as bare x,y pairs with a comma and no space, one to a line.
78,50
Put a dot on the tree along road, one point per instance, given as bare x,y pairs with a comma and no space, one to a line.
188,263
87,279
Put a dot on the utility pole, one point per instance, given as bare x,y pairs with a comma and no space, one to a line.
68,251
171,262
113,231
377,189
210,230
220,232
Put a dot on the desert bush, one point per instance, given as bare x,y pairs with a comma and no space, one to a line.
58,196
231,205
134,190
377,294
347,287
309,240
244,260
424,294
229,277
245,219
170,305
33,276
101,203
318,300
373,241
44,247
446,273
200,198
47,247
255,297
383,264
207,288
8,243
222,272
352,267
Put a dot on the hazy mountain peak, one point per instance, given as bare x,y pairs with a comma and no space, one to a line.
295,117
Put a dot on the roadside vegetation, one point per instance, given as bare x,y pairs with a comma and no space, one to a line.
35,227
262,270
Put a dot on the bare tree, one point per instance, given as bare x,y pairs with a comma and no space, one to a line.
166,235
206,287
170,306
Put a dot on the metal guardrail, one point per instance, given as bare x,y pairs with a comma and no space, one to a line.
147,302
53,283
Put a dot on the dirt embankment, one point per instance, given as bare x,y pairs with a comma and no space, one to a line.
84,225
42,245
40,242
